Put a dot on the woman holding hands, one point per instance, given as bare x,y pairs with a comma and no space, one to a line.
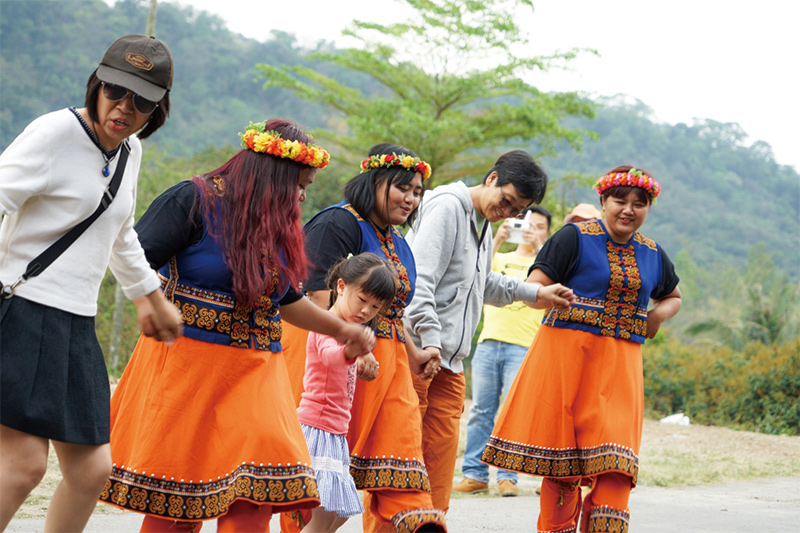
207,428
385,462
574,413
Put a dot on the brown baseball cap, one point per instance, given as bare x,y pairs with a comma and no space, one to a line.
139,63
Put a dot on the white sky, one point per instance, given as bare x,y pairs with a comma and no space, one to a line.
726,60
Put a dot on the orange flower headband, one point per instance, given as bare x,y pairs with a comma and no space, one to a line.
631,178
271,142
413,164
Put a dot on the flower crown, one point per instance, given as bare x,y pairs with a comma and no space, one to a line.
631,178
413,164
270,142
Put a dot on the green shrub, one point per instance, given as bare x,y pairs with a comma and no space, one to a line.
756,389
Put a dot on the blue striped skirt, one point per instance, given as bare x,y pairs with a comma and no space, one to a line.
330,458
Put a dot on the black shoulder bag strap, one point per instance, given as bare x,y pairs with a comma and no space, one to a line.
39,263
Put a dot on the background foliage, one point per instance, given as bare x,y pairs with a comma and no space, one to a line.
729,216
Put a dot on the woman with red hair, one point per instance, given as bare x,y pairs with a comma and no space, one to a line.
206,427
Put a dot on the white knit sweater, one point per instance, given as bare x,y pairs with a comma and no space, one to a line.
50,180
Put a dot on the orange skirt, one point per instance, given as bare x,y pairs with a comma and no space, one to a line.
385,438
385,433
383,454
196,426
293,340
575,408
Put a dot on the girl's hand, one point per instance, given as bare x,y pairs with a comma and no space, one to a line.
368,367
354,334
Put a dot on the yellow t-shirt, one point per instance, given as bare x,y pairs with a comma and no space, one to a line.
515,323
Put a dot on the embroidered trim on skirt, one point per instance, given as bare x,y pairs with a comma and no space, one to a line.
53,378
330,458
196,426
575,408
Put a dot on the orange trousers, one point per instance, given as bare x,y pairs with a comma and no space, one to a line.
605,508
241,516
441,403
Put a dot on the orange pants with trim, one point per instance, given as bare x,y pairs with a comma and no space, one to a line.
561,506
441,403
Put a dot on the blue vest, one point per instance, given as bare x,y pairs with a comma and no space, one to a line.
393,246
200,284
612,284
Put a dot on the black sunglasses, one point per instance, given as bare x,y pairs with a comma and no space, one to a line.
115,93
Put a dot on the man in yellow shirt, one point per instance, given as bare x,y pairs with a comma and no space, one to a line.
506,336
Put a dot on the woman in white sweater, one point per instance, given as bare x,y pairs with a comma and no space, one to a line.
54,385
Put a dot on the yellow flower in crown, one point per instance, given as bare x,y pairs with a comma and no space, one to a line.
261,142
257,139
407,162
288,149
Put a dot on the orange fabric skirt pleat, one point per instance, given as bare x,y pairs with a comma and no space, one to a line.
575,408
293,340
196,425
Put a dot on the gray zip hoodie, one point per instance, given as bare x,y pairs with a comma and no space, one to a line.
454,275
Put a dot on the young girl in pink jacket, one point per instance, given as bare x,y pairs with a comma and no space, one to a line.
360,286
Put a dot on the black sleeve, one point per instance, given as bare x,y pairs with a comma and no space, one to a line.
559,255
290,297
669,280
170,224
331,235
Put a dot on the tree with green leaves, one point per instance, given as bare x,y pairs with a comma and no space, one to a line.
433,96
766,307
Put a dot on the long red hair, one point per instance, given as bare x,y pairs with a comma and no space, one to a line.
256,219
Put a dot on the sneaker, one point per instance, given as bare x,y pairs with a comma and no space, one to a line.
507,488
470,486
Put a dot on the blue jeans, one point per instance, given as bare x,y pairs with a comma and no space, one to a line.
494,367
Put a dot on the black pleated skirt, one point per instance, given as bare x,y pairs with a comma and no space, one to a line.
53,378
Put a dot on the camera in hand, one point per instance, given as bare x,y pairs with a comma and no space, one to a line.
516,228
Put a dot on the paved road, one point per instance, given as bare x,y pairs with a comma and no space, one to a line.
765,506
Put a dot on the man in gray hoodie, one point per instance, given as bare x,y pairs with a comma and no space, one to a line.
453,253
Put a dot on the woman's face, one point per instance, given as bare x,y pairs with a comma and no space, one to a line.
307,176
623,216
117,120
396,208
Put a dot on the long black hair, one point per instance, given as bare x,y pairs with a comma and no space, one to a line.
360,191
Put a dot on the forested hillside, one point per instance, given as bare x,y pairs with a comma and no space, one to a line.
721,194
